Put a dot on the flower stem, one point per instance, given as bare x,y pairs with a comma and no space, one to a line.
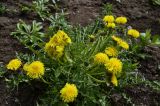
96,80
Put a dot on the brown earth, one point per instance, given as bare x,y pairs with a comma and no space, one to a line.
143,95
150,67
141,14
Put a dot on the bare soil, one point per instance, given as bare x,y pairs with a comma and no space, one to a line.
150,67
141,14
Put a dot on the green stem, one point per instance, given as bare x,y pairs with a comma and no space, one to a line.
68,58
44,81
96,46
96,80
101,73
92,69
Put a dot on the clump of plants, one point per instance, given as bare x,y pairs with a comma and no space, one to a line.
43,8
79,65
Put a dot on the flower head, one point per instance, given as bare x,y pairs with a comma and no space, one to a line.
115,38
114,66
121,20
134,33
110,25
114,80
25,66
111,51
35,69
14,64
121,42
69,93
101,58
108,19
65,39
49,49
55,47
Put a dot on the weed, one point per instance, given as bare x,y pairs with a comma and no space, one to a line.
75,68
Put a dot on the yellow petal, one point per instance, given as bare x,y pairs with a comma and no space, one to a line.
114,80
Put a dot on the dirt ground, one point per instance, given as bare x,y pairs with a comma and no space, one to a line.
141,14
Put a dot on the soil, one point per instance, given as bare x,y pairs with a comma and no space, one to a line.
139,95
143,95
82,12
25,95
150,66
8,21
141,14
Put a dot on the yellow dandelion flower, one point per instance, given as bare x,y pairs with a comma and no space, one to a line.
56,51
101,58
35,69
123,44
14,64
111,51
55,40
110,25
108,19
114,80
25,67
121,20
114,66
115,38
55,47
120,42
65,38
134,33
49,48
69,93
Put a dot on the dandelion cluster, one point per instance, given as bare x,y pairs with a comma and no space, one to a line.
55,47
114,66
69,93
134,33
35,69
108,52
14,64
110,21
120,42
